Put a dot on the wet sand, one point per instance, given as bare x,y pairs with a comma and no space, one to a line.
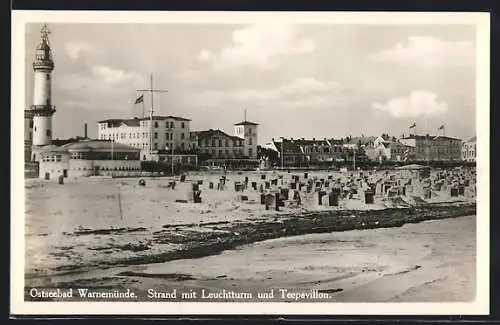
431,261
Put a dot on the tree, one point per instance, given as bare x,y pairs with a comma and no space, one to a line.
266,153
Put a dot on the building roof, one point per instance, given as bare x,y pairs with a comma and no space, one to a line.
135,121
211,133
288,146
246,123
423,137
473,139
60,142
363,140
309,142
169,117
91,144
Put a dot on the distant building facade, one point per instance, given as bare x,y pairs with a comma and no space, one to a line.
313,151
434,148
165,133
249,132
217,144
469,150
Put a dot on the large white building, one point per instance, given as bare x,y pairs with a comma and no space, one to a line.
38,118
469,150
165,133
89,158
248,131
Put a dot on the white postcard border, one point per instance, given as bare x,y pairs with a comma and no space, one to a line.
19,306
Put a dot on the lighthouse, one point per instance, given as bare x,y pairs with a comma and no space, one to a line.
38,118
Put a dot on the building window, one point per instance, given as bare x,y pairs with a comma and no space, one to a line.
182,125
156,124
182,145
171,125
156,135
48,133
182,136
156,145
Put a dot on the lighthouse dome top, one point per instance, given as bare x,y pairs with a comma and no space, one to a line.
43,55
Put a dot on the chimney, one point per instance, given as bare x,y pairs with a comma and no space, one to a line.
85,131
314,139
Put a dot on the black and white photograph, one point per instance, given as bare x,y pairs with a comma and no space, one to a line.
250,163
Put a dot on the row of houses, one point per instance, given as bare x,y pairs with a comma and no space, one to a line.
382,148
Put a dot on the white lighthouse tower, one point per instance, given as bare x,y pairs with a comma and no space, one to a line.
42,108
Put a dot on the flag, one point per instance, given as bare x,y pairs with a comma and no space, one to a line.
413,125
140,99
441,127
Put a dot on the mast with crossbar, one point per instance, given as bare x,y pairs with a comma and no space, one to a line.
151,90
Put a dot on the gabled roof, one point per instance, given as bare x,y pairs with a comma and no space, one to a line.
288,146
246,123
211,133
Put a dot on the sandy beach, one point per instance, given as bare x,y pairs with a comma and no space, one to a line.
423,262
115,234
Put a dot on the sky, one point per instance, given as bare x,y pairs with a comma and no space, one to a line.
297,80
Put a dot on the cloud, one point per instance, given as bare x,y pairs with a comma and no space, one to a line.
75,48
114,76
204,55
419,103
305,86
101,79
103,87
308,92
429,52
257,45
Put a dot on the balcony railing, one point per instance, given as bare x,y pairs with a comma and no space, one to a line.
43,109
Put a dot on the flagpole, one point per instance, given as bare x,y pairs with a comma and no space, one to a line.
151,119
112,143
151,90
173,144
143,107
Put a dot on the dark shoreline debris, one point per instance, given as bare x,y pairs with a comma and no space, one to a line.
201,244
